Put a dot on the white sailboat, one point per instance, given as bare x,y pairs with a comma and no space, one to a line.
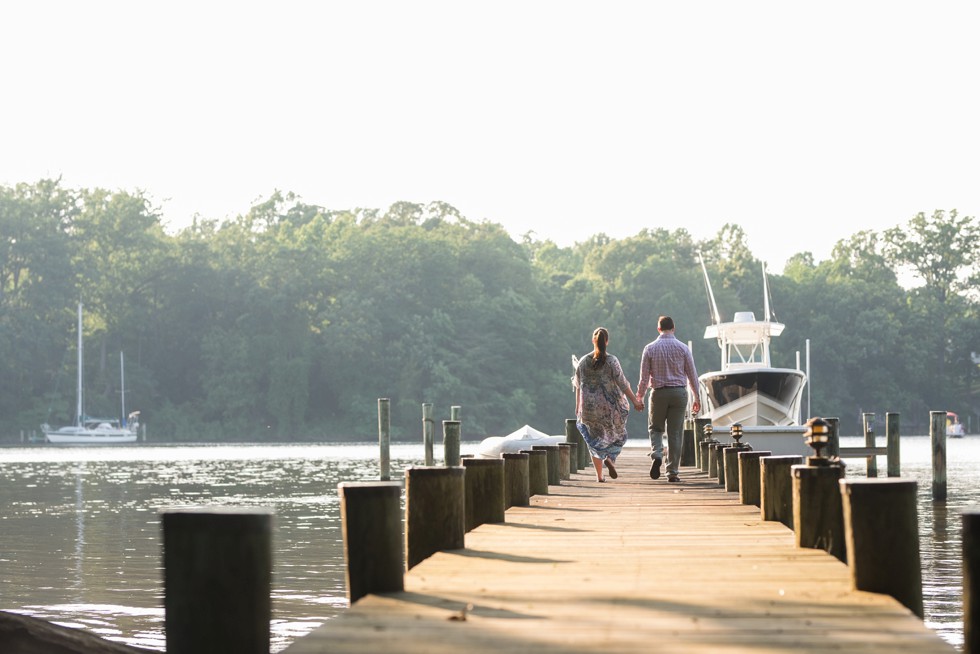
92,431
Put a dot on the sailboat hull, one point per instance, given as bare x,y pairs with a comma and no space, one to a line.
100,435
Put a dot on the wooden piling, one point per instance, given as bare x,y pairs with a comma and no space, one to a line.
971,581
517,485
818,513
833,445
699,436
537,467
572,435
731,465
572,458
454,413
564,461
937,436
704,447
374,554
713,460
450,443
553,461
484,491
882,538
720,450
776,497
427,435
384,437
435,511
892,444
868,423
750,476
687,444
217,580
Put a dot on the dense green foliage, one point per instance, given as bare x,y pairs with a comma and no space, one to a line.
289,322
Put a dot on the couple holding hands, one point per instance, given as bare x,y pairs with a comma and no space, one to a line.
603,394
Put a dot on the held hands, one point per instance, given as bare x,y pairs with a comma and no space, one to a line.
638,404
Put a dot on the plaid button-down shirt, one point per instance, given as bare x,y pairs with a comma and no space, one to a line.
667,362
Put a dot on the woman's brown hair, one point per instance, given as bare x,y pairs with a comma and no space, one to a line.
600,337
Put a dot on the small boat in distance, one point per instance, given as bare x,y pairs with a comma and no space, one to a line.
87,430
954,428
746,389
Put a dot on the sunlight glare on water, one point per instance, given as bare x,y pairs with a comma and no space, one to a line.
81,528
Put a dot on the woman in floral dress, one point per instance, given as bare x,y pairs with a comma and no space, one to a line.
601,407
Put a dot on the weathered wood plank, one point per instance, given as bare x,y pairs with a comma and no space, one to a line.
629,565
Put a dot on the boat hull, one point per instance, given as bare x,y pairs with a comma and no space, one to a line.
84,436
779,441
760,397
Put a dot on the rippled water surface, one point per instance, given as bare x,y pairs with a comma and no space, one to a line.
80,527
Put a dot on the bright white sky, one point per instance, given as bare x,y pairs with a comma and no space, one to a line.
804,122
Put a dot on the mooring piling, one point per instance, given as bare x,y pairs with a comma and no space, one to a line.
217,580
882,538
371,519
435,511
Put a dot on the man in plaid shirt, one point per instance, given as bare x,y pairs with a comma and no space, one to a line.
668,368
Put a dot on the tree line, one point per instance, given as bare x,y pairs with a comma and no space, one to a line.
288,322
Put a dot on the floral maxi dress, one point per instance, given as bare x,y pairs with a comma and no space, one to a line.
602,407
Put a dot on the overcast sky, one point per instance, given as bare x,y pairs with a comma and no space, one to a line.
802,122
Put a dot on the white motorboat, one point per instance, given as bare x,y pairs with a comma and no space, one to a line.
746,389
523,439
93,431
954,428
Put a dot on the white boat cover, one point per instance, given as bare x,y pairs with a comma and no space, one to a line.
523,439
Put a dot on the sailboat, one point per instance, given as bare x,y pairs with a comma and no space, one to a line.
92,431
746,388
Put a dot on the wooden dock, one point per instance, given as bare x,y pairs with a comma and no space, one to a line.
630,565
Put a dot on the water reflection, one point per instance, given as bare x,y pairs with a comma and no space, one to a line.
80,527
80,530
940,525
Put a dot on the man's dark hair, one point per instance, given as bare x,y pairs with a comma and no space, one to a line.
665,323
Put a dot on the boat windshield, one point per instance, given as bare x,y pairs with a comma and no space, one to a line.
746,355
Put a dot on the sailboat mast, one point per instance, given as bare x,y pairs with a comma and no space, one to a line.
122,389
79,411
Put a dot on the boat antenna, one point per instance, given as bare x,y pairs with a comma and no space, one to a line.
713,308
767,292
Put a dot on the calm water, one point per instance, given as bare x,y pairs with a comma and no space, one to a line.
80,527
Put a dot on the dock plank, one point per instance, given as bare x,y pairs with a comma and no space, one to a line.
628,565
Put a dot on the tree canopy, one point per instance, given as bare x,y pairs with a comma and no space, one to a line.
288,322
